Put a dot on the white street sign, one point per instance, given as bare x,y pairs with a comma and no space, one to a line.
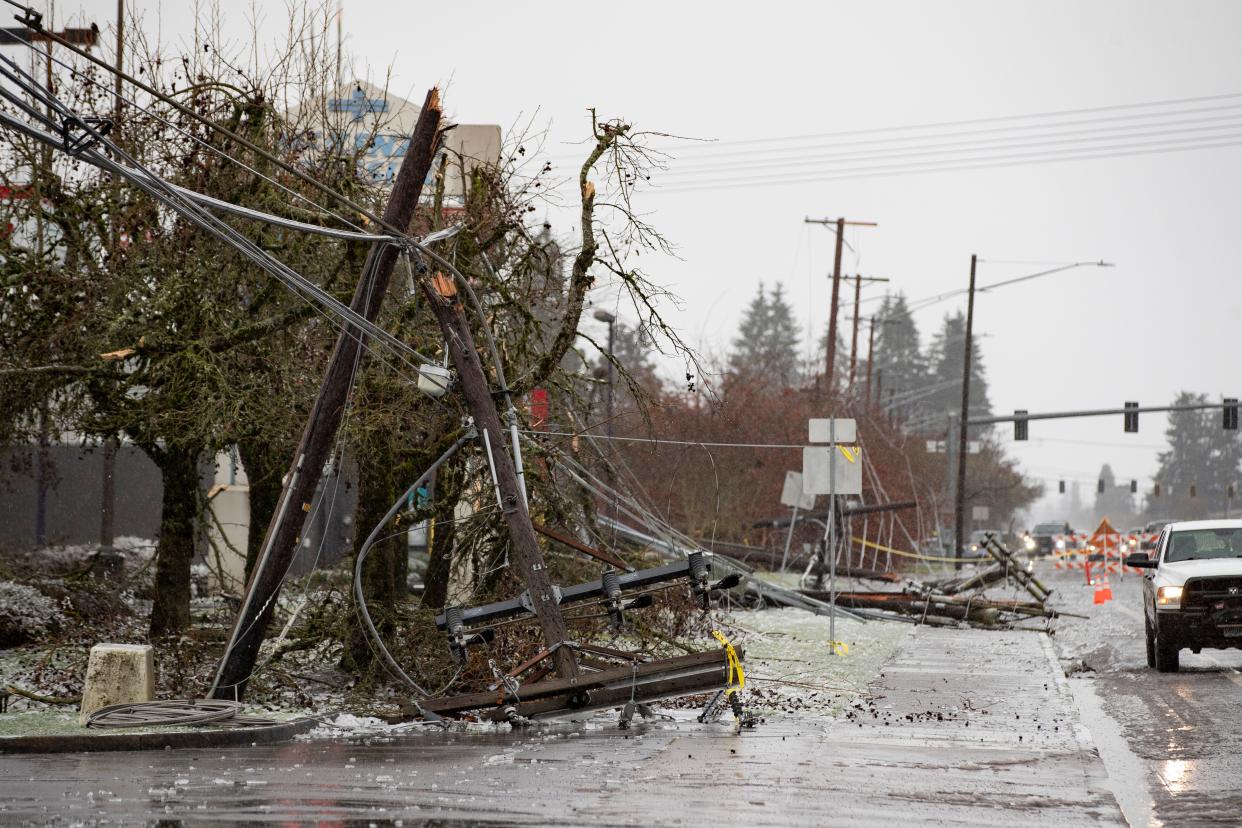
821,431
818,465
792,494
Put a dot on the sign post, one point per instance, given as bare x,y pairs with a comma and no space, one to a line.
822,474
793,496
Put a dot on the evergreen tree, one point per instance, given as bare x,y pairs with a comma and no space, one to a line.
945,386
841,361
1201,454
766,347
899,367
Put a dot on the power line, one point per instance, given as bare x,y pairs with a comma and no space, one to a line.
712,145
914,168
655,440
220,153
786,165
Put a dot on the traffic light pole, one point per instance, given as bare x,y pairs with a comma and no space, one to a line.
1229,406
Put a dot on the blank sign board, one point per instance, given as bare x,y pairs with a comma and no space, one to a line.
818,464
792,494
821,431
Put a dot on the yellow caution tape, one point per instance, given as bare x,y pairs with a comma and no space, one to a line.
840,647
735,664
903,554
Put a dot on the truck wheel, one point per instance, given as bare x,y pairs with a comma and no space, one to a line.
1166,653
1151,641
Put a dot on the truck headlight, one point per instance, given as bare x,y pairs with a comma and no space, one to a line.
1169,596
1060,544
1029,543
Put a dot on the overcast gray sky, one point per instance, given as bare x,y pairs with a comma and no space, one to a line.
1165,318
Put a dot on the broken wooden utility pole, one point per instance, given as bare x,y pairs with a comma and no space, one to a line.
315,447
836,292
445,303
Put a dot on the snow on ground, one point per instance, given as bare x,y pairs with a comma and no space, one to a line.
26,613
791,664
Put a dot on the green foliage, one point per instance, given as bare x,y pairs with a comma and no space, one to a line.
900,366
1201,454
945,357
765,350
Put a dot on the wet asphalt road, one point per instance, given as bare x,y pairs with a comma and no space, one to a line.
1178,745
962,727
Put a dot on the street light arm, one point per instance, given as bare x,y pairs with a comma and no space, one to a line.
1029,276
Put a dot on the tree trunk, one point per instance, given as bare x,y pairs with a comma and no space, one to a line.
376,493
264,464
170,612
383,574
442,534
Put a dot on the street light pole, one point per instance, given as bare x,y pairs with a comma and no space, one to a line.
959,511
610,320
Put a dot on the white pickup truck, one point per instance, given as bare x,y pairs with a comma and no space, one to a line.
1192,592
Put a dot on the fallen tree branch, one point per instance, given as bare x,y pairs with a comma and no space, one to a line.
27,694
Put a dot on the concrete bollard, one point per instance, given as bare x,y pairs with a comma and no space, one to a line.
117,673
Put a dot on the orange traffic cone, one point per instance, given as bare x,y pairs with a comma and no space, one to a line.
1103,594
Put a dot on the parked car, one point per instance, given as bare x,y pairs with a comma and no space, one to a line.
1192,591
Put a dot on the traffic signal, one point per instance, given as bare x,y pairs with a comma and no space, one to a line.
1155,490
1099,486
1133,487
1131,418
1061,487
1020,425
1231,413
1193,491
1232,491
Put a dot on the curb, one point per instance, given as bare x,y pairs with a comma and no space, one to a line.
202,738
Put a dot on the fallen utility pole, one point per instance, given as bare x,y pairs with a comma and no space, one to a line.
443,299
313,451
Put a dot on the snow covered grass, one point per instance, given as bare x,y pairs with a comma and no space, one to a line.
791,664
25,613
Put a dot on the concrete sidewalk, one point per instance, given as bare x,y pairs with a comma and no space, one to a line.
963,724
962,727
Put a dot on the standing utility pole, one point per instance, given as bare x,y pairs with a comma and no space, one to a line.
836,291
858,280
959,510
315,448
870,356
